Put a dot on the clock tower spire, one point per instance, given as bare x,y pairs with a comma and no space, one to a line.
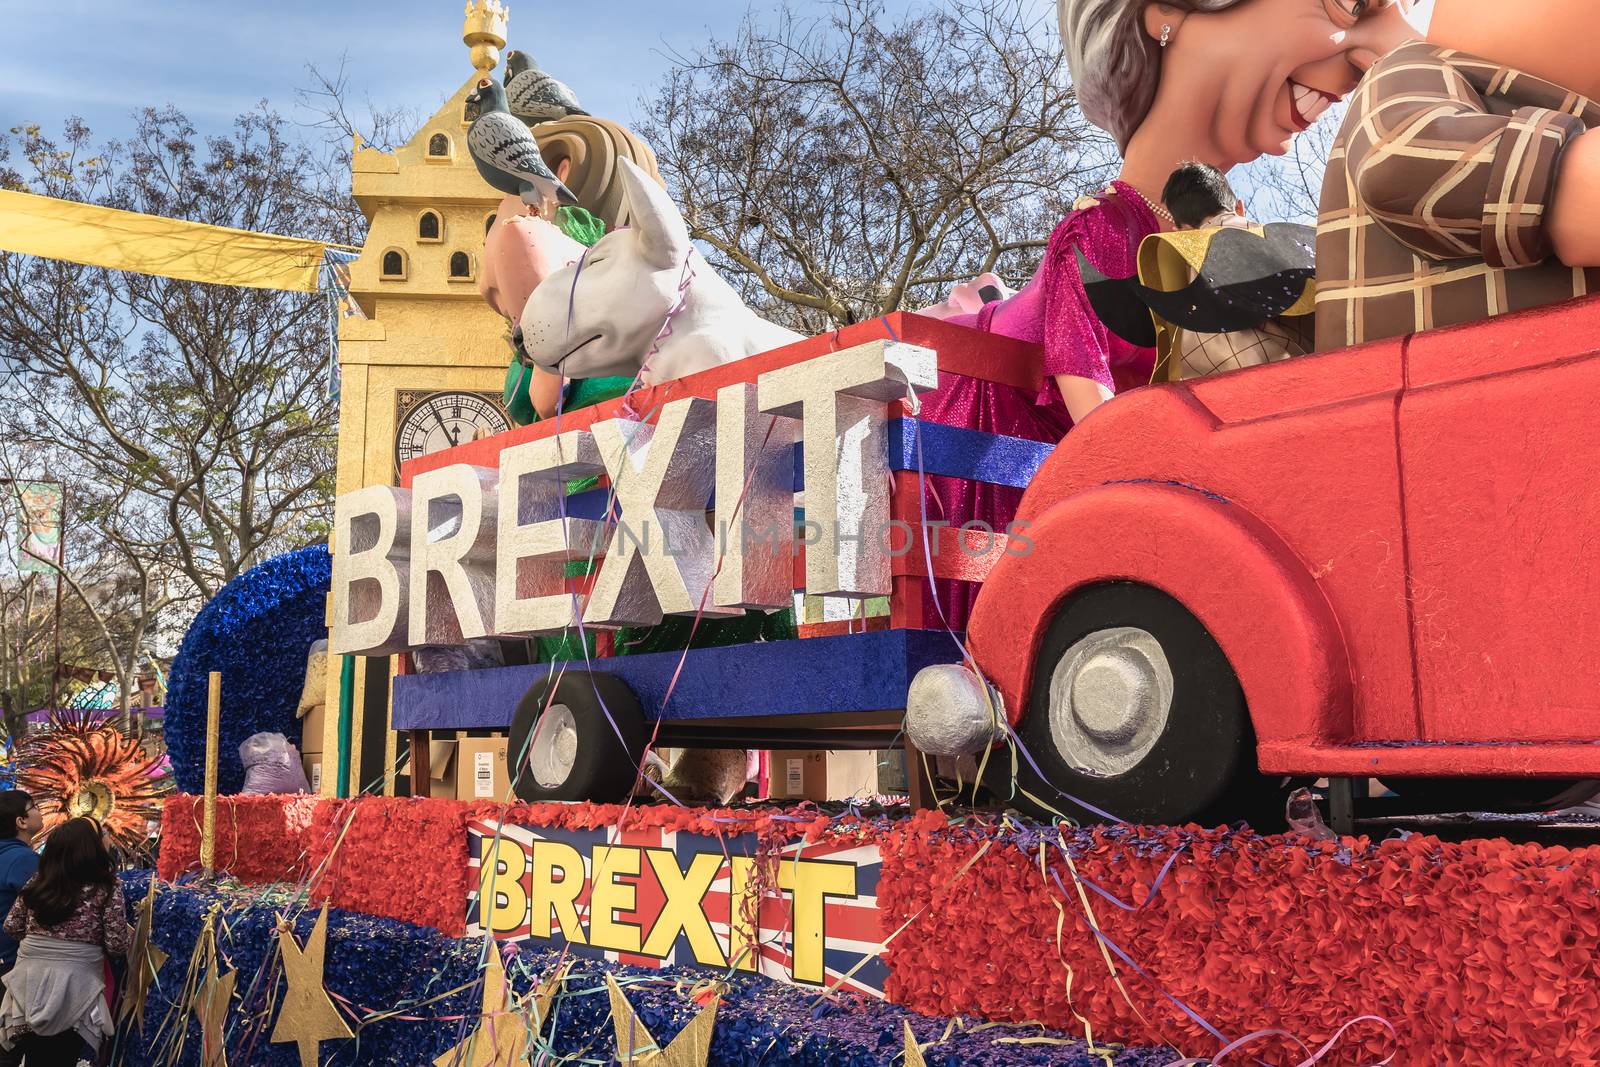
424,369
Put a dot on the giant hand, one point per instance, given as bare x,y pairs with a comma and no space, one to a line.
968,298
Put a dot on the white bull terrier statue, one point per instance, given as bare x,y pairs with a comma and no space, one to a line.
642,302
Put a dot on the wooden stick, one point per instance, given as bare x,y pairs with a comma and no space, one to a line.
421,763
919,786
208,827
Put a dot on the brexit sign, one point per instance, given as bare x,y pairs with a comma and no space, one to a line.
806,914
700,518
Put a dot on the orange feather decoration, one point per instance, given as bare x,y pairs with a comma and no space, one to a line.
84,765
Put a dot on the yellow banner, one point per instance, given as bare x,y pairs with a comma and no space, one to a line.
150,244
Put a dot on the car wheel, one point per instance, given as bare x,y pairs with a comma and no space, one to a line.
565,746
1497,795
1135,710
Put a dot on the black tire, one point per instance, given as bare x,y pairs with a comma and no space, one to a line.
1201,765
1495,795
603,767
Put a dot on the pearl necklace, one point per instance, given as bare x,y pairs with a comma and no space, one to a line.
1155,209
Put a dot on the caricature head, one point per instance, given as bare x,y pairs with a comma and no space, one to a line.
520,251
1248,73
598,317
583,152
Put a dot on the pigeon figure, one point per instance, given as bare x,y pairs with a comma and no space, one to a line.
506,154
535,96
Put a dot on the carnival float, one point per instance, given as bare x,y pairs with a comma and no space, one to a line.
1103,612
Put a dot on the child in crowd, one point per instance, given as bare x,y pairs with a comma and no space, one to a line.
1199,197
69,918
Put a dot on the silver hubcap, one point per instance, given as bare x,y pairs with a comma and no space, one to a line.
1110,698
554,747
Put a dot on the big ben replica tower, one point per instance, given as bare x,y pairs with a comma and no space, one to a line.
424,369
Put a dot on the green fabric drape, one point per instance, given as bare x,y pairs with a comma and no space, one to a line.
580,225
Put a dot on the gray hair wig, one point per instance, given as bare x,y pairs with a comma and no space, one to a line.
1115,65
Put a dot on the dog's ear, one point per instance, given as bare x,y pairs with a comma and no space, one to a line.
654,218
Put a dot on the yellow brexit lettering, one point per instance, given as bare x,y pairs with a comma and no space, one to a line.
742,905
547,894
609,896
502,902
685,908
811,882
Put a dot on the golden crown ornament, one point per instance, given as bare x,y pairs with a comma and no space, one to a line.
484,33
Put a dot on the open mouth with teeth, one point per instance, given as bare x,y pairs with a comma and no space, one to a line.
1308,104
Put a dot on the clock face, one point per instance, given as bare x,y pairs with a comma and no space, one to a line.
444,420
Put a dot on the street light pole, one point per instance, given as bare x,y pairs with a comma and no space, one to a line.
61,564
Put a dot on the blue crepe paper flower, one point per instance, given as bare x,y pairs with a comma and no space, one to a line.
382,964
257,631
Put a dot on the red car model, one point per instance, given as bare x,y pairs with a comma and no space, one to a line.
1379,561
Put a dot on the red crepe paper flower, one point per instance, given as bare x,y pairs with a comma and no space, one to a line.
1477,953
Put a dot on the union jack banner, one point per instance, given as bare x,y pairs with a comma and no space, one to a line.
654,898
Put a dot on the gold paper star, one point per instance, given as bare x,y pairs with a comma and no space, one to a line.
144,960
691,1048
501,1040
913,1050
308,1016
211,1007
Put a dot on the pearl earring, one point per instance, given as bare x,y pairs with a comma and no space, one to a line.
1166,35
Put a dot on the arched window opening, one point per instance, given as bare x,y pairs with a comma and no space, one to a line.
428,227
460,265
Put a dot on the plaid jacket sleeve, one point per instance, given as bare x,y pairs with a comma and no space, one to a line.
1445,174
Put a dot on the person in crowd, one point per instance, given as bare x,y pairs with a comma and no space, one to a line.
1197,195
20,820
1221,81
1465,181
70,917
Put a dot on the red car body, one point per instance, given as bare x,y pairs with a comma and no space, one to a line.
1394,545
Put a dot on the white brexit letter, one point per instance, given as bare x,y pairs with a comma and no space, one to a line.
452,553
536,540
841,400
660,560
755,503
371,530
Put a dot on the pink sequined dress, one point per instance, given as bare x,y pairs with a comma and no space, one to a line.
1051,310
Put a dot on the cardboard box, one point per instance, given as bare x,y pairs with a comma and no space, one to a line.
481,769
852,774
443,768
312,761
797,774
311,729
801,774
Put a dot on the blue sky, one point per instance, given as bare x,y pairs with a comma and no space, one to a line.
99,59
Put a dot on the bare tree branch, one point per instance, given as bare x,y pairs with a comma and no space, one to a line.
843,164
199,411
